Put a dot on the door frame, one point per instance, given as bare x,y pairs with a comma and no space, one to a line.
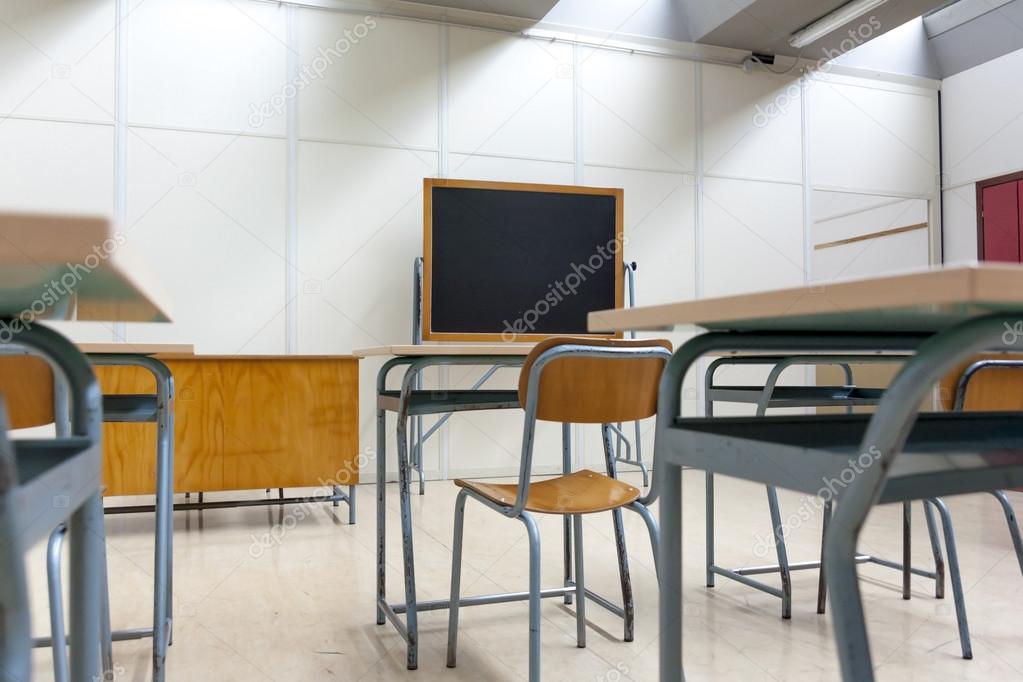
981,186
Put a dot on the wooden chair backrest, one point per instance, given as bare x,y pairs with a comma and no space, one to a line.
992,388
584,390
26,383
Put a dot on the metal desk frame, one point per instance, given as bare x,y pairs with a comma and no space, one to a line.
769,396
767,452
78,473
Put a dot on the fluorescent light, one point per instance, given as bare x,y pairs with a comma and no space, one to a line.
840,17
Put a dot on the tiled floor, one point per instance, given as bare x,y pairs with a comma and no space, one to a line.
301,606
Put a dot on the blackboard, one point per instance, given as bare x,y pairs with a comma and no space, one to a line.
518,262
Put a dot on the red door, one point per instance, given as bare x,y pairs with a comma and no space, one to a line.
1001,220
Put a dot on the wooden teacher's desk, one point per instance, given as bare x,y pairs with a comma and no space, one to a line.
241,422
939,317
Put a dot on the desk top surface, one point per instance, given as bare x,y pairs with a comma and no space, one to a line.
447,349
73,267
125,348
920,301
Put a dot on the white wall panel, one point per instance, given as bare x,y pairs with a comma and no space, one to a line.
477,167
960,224
752,124
871,214
982,120
638,110
62,168
509,95
360,217
207,65
753,233
872,139
894,253
207,212
659,229
368,79
58,58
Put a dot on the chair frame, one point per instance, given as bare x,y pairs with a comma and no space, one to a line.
517,510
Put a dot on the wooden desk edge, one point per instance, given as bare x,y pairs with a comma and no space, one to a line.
445,350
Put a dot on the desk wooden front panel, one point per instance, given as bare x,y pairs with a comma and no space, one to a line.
241,423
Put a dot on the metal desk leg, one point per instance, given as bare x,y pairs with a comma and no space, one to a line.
822,581
939,561
164,521
381,514
88,546
907,554
670,601
953,570
57,632
404,493
781,551
709,484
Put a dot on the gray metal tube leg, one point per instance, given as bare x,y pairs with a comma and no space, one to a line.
580,583
628,603
351,505
566,468
822,581
847,609
670,560
534,596
779,546
405,503
381,514
953,571
163,559
88,547
653,530
456,577
710,526
939,561
907,554
1010,519
58,636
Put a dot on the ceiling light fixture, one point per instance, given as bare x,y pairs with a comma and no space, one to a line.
837,19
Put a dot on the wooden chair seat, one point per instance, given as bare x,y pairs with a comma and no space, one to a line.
580,492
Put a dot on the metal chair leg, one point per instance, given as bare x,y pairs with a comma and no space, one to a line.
58,634
1010,519
628,603
106,640
939,560
534,596
456,577
846,606
653,530
953,570
907,554
566,468
351,505
88,571
783,558
822,580
710,527
580,582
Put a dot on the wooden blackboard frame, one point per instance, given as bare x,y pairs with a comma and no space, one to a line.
430,183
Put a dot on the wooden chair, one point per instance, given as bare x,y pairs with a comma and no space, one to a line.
990,383
582,381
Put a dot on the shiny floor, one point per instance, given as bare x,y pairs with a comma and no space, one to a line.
262,594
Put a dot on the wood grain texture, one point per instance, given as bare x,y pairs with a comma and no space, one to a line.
242,423
989,389
26,383
445,349
595,390
581,492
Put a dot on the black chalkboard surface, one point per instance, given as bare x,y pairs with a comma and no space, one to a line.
518,262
